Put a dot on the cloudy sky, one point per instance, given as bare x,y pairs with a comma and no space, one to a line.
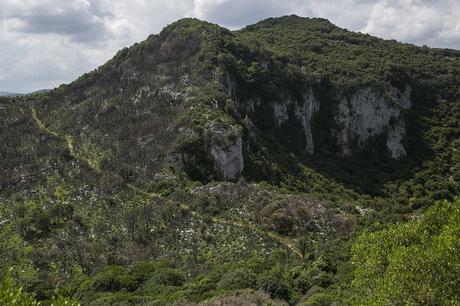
44,43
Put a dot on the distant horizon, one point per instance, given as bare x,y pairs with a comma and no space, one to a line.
7,93
49,43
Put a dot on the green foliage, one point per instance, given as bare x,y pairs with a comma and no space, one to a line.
274,283
109,191
113,279
415,263
350,60
237,279
59,299
10,294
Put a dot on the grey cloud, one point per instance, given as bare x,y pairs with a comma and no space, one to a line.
46,42
79,26
416,21
238,13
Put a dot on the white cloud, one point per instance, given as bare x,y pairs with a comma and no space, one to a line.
407,20
46,42
237,13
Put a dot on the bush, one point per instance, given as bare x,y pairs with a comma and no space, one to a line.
237,279
113,278
10,294
274,283
169,277
413,263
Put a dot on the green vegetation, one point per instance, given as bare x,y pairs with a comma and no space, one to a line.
12,295
312,52
415,263
109,193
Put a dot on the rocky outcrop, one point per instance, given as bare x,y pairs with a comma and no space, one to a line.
367,114
305,112
353,120
227,151
394,140
229,161
302,111
230,84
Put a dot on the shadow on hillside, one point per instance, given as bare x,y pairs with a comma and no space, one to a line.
366,173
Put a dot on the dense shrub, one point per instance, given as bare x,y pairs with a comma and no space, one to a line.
412,263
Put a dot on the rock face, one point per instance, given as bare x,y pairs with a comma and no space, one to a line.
394,141
227,151
353,123
302,111
229,161
367,114
356,119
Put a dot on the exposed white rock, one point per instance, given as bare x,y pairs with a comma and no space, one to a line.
303,111
249,105
229,160
367,114
280,112
394,141
142,93
231,85
226,150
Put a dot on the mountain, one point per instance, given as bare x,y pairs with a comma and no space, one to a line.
40,91
8,94
211,166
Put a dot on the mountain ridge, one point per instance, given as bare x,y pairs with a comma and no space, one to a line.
11,94
5,93
204,163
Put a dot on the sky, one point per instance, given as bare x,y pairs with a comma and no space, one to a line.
44,43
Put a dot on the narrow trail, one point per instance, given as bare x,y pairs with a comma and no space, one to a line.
141,191
68,139
42,126
286,242
71,148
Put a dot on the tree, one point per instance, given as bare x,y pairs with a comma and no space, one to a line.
416,263
10,294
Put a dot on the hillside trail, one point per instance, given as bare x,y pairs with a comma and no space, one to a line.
285,242
69,142
68,139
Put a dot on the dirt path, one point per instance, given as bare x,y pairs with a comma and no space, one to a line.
68,139
41,125
139,190
286,242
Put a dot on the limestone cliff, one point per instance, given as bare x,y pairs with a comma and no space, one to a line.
226,150
352,122
229,160
301,111
367,114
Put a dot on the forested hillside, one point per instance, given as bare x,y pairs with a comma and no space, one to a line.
290,162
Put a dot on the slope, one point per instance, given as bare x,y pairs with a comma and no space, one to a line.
113,186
